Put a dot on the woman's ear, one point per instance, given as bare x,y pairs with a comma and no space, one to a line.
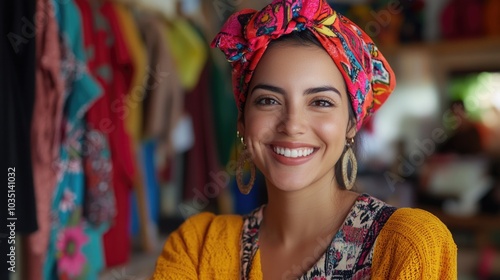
351,129
241,124
351,123
351,133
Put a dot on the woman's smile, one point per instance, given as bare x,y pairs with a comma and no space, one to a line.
293,153
289,153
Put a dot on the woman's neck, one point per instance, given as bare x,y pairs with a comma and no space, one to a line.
310,213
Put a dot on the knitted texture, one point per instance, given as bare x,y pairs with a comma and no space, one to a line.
413,244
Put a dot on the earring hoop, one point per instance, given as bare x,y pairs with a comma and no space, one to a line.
243,160
241,138
349,157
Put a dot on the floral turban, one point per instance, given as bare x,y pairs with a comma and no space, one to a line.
246,34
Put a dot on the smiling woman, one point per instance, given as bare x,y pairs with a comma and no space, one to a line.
305,80
297,102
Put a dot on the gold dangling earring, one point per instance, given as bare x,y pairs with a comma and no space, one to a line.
349,156
243,159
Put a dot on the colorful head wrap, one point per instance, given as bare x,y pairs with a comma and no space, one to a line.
246,34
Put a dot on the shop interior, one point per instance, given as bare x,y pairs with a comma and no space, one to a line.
133,126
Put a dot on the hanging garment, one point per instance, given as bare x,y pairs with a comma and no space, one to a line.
188,49
201,161
110,64
146,204
45,129
462,19
225,113
134,100
162,108
133,114
100,203
75,248
163,105
490,18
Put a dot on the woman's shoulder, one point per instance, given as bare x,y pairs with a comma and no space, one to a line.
207,223
417,228
414,243
204,245
414,223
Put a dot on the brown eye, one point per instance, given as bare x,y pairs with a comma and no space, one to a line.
322,103
266,101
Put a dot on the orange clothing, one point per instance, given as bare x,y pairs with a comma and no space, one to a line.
413,244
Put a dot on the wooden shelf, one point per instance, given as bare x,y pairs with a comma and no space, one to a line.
480,54
481,226
486,44
476,222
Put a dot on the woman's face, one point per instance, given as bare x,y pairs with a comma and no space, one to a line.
296,116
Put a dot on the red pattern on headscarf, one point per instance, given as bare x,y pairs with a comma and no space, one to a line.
246,34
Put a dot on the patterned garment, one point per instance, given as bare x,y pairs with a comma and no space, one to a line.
99,204
75,246
246,34
350,253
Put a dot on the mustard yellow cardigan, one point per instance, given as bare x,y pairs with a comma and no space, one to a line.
413,244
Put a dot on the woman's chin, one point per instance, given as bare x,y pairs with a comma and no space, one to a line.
289,183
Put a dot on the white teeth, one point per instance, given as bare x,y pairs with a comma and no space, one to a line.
288,153
293,153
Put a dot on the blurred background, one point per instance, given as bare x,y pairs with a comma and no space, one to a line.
119,122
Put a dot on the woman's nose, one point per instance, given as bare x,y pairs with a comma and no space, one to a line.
292,121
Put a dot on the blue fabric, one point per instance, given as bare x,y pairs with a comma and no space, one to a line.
152,185
148,168
67,204
244,204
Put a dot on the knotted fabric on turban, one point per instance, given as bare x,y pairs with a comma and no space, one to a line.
246,35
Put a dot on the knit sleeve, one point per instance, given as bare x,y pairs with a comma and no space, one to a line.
414,244
180,256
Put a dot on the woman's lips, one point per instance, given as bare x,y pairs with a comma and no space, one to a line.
292,153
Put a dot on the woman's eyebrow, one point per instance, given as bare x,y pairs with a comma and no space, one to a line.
306,92
322,89
268,88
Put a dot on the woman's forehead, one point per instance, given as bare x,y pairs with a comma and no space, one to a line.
289,65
